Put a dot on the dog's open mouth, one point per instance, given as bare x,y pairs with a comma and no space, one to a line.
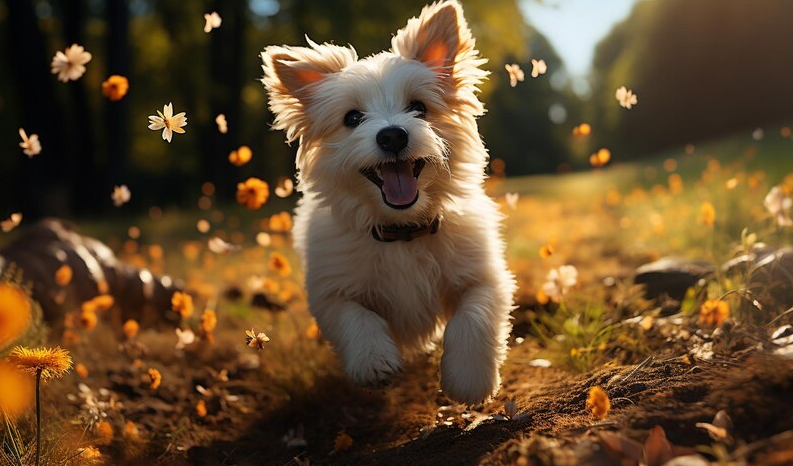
398,181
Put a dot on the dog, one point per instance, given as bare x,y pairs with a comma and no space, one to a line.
399,241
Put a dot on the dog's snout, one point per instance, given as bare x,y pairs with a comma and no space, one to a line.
392,139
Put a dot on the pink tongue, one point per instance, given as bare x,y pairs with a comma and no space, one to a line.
399,185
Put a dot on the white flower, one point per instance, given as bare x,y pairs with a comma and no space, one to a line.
168,122
222,124
184,338
70,64
120,195
559,281
213,21
254,340
512,200
30,144
515,74
12,222
538,67
778,204
626,97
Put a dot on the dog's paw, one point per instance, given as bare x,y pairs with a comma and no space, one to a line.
467,380
375,364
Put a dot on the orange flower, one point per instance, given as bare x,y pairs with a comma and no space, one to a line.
63,276
279,264
253,193
600,158
81,371
714,312
182,303
598,403
546,251
281,222
312,332
201,408
155,377
131,430
241,156
99,303
131,328
115,87
707,214
15,313
104,431
90,453
88,319
209,320
17,391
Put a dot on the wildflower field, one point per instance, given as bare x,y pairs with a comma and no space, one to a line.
233,370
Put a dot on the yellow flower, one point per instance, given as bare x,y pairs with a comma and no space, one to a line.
81,370
241,156
182,303
598,403
279,264
707,214
546,251
17,391
253,193
281,222
714,312
168,122
131,328
88,319
115,87
155,378
15,313
49,362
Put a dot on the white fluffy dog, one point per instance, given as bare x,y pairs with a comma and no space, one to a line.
398,236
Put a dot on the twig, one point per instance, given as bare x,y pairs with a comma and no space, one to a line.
781,316
641,365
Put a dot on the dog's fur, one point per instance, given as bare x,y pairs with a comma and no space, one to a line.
373,300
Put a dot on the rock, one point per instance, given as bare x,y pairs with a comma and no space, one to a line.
44,247
671,276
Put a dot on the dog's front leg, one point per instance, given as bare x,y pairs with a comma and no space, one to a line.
475,345
362,338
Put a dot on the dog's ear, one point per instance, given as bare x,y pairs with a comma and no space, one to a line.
291,76
439,38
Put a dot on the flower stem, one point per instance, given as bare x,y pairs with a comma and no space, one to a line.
38,416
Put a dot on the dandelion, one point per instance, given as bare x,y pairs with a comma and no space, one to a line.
515,74
252,193
600,158
212,21
598,403
626,97
778,204
241,156
256,340
69,65
538,67
15,313
279,264
46,363
714,312
30,144
115,87
120,195
284,188
559,281
168,122
12,222
182,303
131,328
155,378
223,126
707,214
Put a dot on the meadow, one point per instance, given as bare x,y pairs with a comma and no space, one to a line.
598,371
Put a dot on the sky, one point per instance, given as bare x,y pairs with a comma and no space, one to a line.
574,27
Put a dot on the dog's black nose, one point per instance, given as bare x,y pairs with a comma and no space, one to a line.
392,139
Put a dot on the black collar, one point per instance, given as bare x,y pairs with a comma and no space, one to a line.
391,233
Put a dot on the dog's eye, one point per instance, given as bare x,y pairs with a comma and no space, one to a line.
353,118
417,107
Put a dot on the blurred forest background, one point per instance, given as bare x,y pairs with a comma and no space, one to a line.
701,70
